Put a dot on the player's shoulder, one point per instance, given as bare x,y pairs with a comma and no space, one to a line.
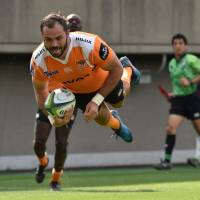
83,38
192,60
191,56
38,55
86,41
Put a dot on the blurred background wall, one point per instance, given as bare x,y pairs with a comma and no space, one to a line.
141,29
133,26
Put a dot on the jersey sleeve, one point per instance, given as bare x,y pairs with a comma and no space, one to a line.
194,62
101,53
37,72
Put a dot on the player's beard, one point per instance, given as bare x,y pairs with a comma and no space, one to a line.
57,52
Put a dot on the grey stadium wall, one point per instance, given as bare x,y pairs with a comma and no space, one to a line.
133,27
90,145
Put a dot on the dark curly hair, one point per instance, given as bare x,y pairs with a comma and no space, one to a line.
53,18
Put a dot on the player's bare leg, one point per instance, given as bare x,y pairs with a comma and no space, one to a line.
174,121
62,134
131,75
42,131
111,119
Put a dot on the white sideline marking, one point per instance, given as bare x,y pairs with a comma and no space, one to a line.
76,160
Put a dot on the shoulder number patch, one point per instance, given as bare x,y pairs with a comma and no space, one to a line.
103,51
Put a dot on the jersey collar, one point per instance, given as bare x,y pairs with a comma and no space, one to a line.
180,58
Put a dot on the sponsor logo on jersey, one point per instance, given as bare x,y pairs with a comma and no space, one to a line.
81,63
103,51
41,51
68,70
50,74
83,40
76,79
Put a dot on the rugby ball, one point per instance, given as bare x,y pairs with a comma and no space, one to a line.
59,101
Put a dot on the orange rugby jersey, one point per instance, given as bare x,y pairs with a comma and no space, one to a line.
81,70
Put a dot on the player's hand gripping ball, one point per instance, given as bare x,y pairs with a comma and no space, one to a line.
59,101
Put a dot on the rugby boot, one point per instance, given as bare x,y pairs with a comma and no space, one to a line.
55,180
124,132
163,165
40,174
194,162
135,78
55,186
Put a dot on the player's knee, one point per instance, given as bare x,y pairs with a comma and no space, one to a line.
118,105
39,146
102,120
103,116
170,130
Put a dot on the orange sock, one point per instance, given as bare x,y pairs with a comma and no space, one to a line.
113,122
56,175
44,160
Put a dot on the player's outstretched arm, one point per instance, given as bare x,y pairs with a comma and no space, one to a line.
41,93
115,72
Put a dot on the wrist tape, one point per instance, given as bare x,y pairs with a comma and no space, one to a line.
98,99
